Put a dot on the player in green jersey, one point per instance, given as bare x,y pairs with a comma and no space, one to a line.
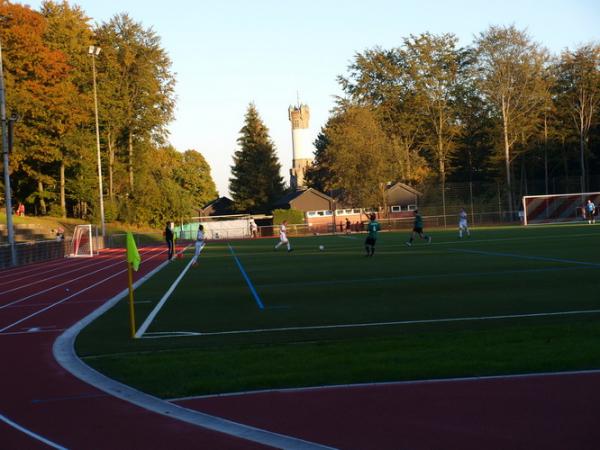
418,229
372,228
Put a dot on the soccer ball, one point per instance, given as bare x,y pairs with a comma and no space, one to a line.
321,247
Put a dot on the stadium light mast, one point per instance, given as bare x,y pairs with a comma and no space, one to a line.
93,52
5,149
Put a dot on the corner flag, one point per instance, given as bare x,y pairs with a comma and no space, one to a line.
133,256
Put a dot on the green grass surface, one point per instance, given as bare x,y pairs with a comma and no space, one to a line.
337,317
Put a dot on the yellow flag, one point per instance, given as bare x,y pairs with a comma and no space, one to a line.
133,255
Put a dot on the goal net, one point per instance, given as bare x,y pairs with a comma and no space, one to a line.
84,242
217,228
559,208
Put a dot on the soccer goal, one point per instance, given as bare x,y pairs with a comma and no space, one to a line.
558,208
217,227
85,241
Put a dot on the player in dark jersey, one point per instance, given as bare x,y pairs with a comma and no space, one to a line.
372,228
418,229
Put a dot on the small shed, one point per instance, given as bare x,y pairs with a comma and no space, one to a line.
401,198
305,200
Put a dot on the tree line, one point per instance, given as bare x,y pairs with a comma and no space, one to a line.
49,87
501,109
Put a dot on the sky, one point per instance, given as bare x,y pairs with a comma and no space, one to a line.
229,53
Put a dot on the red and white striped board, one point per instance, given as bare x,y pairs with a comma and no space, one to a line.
557,208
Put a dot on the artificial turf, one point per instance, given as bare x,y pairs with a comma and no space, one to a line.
336,316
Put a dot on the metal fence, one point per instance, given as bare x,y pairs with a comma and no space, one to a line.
141,239
34,251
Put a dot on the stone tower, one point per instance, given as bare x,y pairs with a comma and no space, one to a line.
303,151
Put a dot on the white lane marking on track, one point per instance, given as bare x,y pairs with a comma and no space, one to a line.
71,296
73,264
52,265
14,302
53,330
83,267
30,433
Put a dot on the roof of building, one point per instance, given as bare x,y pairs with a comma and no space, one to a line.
221,205
291,196
405,187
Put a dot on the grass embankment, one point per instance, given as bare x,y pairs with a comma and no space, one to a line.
68,224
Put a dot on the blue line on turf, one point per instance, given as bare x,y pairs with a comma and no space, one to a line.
247,278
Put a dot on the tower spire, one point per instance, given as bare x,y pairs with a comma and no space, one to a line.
302,149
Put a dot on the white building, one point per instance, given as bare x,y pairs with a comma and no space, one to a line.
301,145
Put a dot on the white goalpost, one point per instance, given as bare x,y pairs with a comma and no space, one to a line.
557,208
84,243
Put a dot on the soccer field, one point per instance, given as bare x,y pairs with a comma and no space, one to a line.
506,300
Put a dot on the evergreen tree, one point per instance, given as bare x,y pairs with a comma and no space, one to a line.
256,182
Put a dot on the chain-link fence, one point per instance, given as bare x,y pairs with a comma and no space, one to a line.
119,240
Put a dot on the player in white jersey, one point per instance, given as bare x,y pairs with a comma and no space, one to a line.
462,223
283,237
199,244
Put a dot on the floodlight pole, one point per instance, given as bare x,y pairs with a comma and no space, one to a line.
95,51
5,149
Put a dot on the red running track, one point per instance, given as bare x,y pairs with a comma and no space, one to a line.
556,412
39,397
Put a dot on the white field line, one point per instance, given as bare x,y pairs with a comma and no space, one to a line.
529,257
30,433
14,302
64,353
163,334
375,324
142,329
395,383
420,277
475,240
70,296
